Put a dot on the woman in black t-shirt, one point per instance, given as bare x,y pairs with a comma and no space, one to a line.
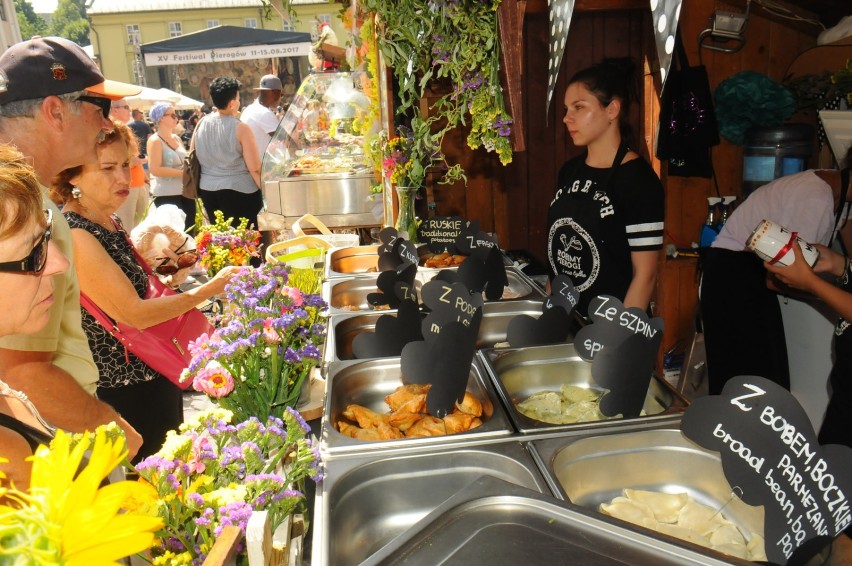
605,223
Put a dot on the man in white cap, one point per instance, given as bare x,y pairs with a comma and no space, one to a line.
54,107
260,114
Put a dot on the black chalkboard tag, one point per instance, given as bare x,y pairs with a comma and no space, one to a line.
612,324
443,360
448,302
395,249
562,293
391,335
625,370
440,233
770,451
552,327
471,238
395,286
483,271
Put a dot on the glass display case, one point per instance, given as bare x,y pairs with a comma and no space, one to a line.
316,161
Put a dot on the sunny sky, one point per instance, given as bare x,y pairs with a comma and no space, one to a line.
43,6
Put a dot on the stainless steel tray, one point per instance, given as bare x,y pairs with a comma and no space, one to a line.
495,319
368,382
595,468
347,295
517,373
493,522
365,502
363,260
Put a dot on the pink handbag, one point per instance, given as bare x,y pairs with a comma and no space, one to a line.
162,347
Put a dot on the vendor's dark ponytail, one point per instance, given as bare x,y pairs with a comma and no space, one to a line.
610,79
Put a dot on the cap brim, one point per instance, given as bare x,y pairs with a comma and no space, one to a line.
115,90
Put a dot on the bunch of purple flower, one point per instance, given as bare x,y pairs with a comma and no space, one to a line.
212,474
265,348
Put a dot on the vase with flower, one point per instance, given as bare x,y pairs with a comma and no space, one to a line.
221,244
406,159
259,360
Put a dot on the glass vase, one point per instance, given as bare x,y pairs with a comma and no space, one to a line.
406,220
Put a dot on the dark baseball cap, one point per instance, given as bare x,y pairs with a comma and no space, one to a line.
49,66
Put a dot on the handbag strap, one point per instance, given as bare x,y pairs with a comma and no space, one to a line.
680,49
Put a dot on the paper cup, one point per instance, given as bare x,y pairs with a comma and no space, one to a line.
774,243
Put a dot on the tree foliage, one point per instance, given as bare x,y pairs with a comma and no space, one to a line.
69,21
29,22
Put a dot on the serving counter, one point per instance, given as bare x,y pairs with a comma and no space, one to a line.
512,488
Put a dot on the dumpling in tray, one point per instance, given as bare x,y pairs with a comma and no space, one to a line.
666,506
634,512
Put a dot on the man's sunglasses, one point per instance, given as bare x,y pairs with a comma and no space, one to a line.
105,104
185,259
34,263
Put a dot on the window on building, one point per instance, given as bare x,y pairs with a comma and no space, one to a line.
287,25
212,23
175,29
134,36
251,22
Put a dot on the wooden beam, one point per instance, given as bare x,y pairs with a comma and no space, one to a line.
510,24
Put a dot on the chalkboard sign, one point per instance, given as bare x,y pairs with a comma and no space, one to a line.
553,325
392,333
395,287
448,302
612,325
444,360
769,450
440,233
472,238
395,249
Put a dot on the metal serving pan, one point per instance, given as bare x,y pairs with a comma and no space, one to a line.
518,373
593,469
365,502
494,522
350,295
495,319
367,383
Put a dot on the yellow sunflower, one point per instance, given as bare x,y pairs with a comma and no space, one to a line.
72,520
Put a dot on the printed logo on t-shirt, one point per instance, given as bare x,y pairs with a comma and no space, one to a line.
574,253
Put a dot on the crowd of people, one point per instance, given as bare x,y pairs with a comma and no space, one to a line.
60,368
68,214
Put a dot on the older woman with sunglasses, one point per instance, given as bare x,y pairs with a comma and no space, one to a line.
165,162
113,278
28,259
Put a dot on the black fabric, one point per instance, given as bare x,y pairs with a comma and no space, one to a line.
688,127
588,223
151,407
32,435
743,328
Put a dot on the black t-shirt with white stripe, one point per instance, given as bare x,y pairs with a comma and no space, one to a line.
592,228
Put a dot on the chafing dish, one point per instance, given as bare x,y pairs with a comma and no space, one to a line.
518,373
367,501
350,295
367,383
493,522
495,319
593,469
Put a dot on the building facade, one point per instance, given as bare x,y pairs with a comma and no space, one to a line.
120,27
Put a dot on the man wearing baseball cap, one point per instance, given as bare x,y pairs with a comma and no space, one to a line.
260,114
54,107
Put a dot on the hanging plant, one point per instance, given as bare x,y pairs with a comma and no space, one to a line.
455,41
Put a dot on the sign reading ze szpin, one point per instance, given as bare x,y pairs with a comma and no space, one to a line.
769,450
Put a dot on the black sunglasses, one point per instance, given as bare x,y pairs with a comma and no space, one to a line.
185,259
34,263
105,104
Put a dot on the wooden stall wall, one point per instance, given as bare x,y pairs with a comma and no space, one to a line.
512,201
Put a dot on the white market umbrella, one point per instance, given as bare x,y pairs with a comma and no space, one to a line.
150,96
187,103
